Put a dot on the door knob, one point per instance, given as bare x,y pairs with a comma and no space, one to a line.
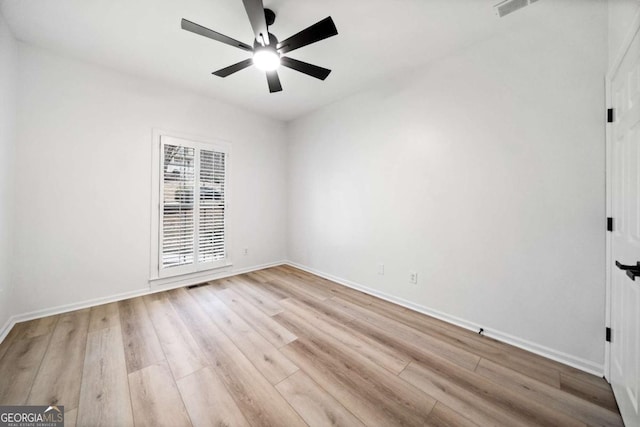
632,270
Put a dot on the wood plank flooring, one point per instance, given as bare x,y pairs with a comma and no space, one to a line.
282,347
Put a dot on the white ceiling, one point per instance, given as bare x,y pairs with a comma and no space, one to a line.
377,40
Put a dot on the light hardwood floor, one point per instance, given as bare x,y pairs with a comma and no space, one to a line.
282,347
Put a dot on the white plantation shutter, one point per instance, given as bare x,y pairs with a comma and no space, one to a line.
178,225
212,206
192,206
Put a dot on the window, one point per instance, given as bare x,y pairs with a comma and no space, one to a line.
192,206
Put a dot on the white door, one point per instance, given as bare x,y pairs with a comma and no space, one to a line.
624,149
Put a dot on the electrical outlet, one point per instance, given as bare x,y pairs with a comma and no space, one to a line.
245,251
381,269
413,277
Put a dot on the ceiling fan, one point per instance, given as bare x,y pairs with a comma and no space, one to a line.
267,50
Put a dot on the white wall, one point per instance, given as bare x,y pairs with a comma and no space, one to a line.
83,186
8,76
484,172
621,15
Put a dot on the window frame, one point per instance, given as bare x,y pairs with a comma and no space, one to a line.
172,274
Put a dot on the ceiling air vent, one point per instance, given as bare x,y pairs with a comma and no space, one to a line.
508,6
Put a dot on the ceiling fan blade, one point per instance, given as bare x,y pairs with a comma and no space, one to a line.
318,31
274,81
255,12
305,67
203,31
224,72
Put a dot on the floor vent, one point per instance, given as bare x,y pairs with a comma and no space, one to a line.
197,286
508,6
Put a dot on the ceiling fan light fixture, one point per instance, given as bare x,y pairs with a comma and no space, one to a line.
266,59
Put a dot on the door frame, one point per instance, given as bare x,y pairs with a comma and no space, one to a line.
622,51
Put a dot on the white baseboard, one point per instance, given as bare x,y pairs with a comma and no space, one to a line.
36,314
6,328
558,356
201,277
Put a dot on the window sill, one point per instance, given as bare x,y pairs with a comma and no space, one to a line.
191,278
